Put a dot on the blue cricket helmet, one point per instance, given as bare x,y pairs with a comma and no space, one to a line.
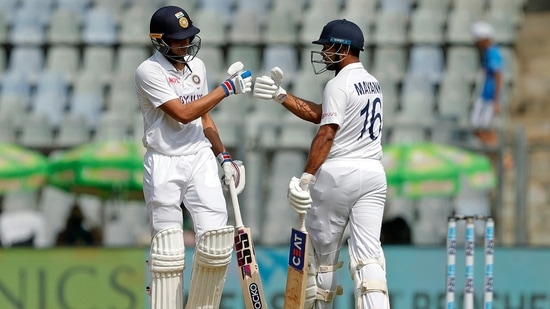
342,31
172,22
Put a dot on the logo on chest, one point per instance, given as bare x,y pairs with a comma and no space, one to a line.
173,80
196,79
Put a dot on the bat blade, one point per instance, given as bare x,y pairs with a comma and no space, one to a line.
296,280
251,284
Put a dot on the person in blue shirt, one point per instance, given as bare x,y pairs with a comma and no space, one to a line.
488,104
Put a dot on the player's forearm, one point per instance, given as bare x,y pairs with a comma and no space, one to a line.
185,113
304,109
320,147
212,134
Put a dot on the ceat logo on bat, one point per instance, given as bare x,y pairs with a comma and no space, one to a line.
297,250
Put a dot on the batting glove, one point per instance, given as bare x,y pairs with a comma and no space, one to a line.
232,168
239,81
298,193
266,87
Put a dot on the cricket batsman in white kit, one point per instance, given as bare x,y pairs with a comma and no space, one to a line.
344,181
180,164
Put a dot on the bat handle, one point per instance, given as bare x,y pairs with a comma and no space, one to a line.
302,222
304,185
302,216
235,201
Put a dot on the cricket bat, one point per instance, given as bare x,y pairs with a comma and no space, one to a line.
296,279
251,284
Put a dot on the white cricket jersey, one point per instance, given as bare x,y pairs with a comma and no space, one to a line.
353,100
157,82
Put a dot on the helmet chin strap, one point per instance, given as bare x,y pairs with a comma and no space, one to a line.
173,60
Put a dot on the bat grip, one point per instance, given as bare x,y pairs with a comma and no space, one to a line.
235,202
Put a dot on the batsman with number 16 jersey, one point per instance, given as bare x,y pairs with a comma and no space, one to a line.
343,181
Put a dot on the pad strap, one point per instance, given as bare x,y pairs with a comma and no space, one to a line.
328,296
361,263
374,286
371,285
329,268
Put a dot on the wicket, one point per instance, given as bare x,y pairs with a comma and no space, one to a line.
469,247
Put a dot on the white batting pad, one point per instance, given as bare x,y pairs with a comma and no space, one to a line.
369,280
212,255
166,263
316,296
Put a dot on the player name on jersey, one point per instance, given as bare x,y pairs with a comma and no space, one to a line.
365,87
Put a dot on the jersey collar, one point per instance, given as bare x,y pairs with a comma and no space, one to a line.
351,66
167,65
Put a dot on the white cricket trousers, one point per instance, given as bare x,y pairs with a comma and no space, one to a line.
354,192
192,179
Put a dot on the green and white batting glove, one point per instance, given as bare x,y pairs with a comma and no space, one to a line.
266,87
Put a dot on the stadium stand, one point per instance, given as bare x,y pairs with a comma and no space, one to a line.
73,131
3,27
426,26
37,131
245,28
99,61
100,26
458,27
390,29
50,96
27,60
286,163
64,59
133,23
426,62
389,63
462,61
249,55
7,126
78,7
279,30
213,28
28,25
312,20
95,45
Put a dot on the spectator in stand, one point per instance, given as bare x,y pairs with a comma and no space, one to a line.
22,227
489,103
76,233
